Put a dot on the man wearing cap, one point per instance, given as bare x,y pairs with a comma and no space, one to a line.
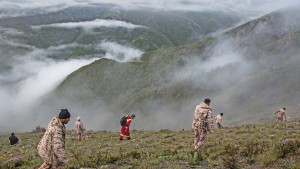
52,146
203,122
125,129
79,129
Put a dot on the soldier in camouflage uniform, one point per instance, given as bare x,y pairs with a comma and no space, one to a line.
52,146
280,114
203,122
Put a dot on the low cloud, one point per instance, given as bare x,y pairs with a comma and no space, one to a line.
31,77
91,24
28,77
120,53
221,55
38,78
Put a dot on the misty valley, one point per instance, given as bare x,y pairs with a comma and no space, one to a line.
158,61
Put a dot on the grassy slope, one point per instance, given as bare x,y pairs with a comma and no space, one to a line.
248,146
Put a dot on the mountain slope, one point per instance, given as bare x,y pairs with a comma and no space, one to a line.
247,146
245,71
179,27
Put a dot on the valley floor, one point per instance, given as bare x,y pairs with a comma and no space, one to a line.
245,147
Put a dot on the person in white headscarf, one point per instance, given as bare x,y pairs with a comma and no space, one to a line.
79,129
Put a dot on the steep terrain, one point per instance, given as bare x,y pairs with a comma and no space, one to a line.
30,44
247,146
249,72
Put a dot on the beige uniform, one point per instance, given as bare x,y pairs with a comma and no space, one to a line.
280,114
52,146
79,129
219,121
203,122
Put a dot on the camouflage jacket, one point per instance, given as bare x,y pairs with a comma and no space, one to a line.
52,146
281,113
203,118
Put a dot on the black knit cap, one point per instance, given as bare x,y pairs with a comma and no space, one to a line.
132,116
64,114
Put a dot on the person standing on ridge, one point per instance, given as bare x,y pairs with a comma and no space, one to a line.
79,129
125,123
219,120
280,114
52,146
13,139
203,122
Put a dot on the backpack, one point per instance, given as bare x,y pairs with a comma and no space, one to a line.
203,119
123,121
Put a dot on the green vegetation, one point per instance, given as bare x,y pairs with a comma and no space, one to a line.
160,29
247,146
142,38
264,77
52,36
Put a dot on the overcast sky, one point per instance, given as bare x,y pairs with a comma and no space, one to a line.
257,7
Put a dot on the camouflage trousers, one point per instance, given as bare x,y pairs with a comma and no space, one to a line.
49,166
279,119
200,137
80,136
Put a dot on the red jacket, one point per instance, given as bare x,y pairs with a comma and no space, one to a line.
128,121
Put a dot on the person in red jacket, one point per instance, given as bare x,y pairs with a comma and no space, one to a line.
125,129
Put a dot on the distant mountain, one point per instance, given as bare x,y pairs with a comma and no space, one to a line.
161,28
248,72
30,44
271,43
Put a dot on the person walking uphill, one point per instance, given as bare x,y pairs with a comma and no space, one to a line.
125,123
219,120
280,114
203,122
52,146
79,129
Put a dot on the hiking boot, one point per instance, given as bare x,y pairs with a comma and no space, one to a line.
128,138
121,139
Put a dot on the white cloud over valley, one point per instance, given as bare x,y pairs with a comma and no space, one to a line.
119,52
91,24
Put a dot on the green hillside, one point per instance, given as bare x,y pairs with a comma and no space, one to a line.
161,29
46,37
170,82
247,146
